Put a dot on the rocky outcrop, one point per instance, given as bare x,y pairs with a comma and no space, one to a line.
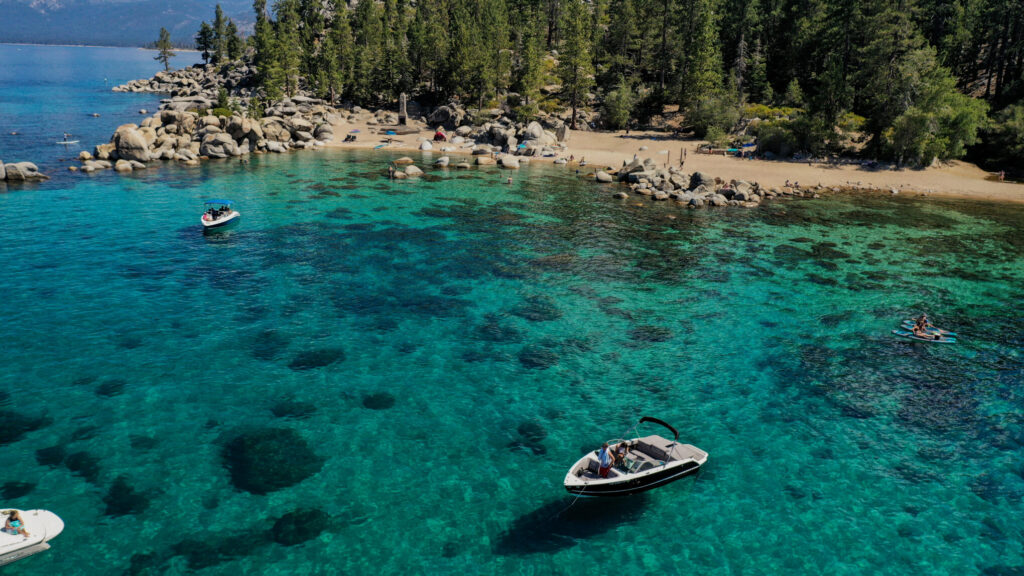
21,172
131,144
449,116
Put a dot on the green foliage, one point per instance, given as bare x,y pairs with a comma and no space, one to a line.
777,138
204,41
716,137
222,98
702,60
794,95
575,66
222,111
255,109
765,112
719,111
235,44
163,46
1004,138
220,37
618,105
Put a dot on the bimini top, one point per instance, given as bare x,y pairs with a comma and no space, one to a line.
222,202
661,422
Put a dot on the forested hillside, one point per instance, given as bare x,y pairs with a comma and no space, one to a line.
909,80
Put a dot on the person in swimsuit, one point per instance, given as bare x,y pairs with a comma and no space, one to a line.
15,525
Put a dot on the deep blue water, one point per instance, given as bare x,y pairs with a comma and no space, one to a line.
375,377
48,90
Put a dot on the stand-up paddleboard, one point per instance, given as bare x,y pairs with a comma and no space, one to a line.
910,335
68,142
909,324
379,146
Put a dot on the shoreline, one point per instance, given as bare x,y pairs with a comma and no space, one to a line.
93,46
957,179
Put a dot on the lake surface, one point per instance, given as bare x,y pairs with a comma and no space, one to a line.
376,377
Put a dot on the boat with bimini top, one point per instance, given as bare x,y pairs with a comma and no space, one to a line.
635,465
219,214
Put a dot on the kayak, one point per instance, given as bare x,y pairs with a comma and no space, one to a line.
912,336
909,324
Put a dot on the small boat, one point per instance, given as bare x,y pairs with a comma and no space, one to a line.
41,525
909,325
650,462
934,338
219,214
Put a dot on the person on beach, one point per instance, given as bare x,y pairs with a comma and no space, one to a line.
604,459
1002,175
15,525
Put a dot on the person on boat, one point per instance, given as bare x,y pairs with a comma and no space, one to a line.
605,460
15,525
620,453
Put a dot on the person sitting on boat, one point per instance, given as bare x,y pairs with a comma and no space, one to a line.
620,453
15,525
604,459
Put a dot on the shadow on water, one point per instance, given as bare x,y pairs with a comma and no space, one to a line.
560,524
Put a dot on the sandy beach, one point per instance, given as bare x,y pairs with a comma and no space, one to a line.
609,149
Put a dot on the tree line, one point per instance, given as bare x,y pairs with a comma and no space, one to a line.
910,80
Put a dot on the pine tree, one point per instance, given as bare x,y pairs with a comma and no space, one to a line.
163,46
289,49
204,41
265,42
234,42
702,75
617,45
575,66
220,39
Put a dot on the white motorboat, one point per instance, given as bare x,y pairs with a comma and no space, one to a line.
41,525
649,462
219,214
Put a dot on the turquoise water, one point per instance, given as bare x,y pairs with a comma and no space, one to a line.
383,377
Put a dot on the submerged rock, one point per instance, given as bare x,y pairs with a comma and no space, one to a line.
12,490
538,357
310,359
299,526
378,401
269,459
122,499
14,425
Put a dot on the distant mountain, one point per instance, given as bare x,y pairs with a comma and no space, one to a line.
112,22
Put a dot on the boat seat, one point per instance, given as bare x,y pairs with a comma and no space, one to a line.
593,466
649,450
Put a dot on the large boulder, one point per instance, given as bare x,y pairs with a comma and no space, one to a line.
413,171
442,161
218,146
3,171
106,151
533,131
131,143
449,116
123,166
484,161
700,179
273,130
426,145
299,124
23,171
603,177
509,161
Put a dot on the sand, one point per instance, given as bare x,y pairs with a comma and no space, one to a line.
609,149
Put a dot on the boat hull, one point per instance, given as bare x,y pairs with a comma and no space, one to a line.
222,223
629,486
43,526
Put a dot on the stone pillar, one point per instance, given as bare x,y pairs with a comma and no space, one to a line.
402,115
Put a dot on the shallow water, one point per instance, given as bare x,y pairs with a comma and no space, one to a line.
380,377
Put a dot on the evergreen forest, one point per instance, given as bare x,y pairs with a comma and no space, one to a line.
910,81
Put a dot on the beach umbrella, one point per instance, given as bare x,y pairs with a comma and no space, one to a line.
353,131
